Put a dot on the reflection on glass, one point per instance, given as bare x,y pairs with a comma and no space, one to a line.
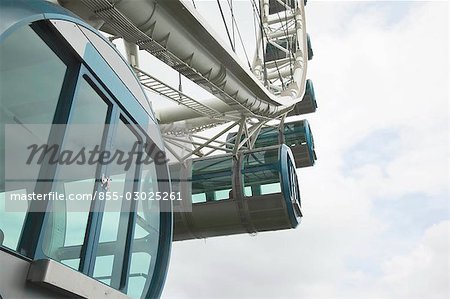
114,227
25,98
199,197
270,188
222,194
11,222
146,236
211,179
66,228
139,272
261,172
248,191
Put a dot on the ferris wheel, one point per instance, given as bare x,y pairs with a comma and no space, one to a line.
224,107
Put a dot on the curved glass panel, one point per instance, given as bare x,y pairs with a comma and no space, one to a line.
267,137
119,66
25,99
127,248
294,134
111,252
146,235
211,179
261,172
65,230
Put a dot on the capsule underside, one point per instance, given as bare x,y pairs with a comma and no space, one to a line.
255,192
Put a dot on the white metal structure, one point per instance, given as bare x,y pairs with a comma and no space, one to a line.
175,33
74,76
281,62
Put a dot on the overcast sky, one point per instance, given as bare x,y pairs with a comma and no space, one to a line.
376,205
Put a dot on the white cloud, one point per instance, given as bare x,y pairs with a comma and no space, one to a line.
375,69
423,272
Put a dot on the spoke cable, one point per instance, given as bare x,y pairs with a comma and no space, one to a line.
226,26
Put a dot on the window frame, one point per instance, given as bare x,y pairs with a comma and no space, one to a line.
31,239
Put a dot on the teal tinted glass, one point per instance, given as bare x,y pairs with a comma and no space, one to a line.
261,172
294,134
146,235
66,228
267,137
111,252
211,179
25,99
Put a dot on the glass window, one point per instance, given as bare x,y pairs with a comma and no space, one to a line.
32,90
146,235
211,179
199,197
31,78
222,194
66,228
119,65
139,273
11,222
295,134
248,191
115,222
261,172
267,137
293,181
270,188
